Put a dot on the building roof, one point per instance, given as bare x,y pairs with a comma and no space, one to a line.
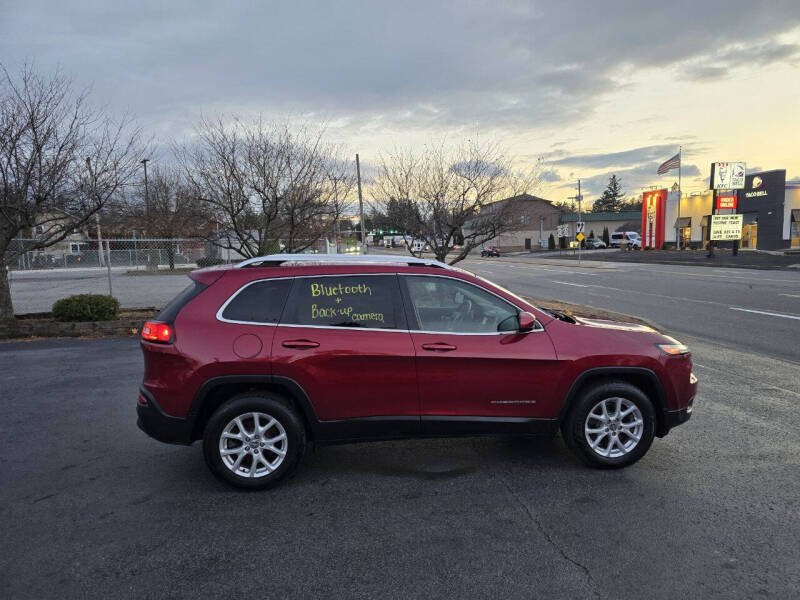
627,215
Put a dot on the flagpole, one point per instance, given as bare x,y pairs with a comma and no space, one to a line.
677,222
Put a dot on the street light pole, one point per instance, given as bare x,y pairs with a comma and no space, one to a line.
580,199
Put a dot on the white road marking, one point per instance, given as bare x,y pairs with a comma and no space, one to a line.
568,283
790,295
716,275
765,312
754,381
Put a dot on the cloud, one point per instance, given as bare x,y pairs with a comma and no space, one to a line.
618,159
550,176
386,67
635,178
720,64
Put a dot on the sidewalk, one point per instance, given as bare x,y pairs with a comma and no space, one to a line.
747,259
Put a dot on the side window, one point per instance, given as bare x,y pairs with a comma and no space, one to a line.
447,305
345,301
259,302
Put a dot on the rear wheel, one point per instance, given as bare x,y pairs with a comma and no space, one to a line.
611,425
254,441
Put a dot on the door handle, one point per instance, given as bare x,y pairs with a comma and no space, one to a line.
438,347
302,344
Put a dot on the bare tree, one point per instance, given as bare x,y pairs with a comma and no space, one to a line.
60,162
170,210
448,196
266,184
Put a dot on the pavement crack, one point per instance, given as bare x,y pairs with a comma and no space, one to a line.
589,578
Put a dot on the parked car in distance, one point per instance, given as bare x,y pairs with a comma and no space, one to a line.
490,251
261,359
630,238
595,243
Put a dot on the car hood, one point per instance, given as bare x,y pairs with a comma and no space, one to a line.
615,325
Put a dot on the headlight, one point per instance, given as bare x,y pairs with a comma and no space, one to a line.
673,349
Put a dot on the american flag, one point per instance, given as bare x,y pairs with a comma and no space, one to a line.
672,163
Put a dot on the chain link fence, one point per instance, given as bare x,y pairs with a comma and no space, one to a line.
144,254
130,269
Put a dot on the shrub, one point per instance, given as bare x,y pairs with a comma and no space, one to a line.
209,261
551,242
86,307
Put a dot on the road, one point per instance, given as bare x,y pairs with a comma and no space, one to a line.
91,507
747,309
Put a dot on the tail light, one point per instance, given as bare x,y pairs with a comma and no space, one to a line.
157,332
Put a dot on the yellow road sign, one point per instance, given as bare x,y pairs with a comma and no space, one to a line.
580,237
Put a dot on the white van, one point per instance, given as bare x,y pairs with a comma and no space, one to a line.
630,238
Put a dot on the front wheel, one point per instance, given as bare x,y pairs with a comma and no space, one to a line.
254,441
612,425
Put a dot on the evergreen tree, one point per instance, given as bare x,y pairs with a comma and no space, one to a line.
551,242
591,233
611,200
606,237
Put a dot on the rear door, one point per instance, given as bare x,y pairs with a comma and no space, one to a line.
344,340
471,360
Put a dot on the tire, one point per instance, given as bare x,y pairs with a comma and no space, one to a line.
615,438
286,434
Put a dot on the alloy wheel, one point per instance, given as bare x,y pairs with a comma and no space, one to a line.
614,427
253,445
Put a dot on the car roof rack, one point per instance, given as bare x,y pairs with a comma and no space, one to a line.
275,260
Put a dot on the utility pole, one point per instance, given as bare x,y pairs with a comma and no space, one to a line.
146,197
361,208
579,198
100,259
541,231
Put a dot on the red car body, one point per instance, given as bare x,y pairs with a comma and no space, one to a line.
351,384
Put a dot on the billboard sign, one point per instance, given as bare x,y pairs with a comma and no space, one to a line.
726,227
727,201
727,175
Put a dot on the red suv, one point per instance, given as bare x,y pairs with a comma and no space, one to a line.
262,358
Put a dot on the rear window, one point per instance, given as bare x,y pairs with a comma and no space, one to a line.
258,302
171,310
371,301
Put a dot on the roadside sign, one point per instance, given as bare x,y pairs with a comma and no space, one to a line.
726,227
727,175
727,201
580,227
562,231
580,237
573,244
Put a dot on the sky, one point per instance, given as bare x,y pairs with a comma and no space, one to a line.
590,88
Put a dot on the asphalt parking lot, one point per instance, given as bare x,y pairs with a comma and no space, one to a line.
91,507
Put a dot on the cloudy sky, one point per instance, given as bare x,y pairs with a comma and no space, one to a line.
593,88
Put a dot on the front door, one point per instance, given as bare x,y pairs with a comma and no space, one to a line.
344,340
471,360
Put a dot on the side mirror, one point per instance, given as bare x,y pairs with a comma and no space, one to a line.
526,321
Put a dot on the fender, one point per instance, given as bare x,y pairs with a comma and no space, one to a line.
659,401
297,392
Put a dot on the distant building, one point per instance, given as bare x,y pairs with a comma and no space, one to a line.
529,220
769,204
